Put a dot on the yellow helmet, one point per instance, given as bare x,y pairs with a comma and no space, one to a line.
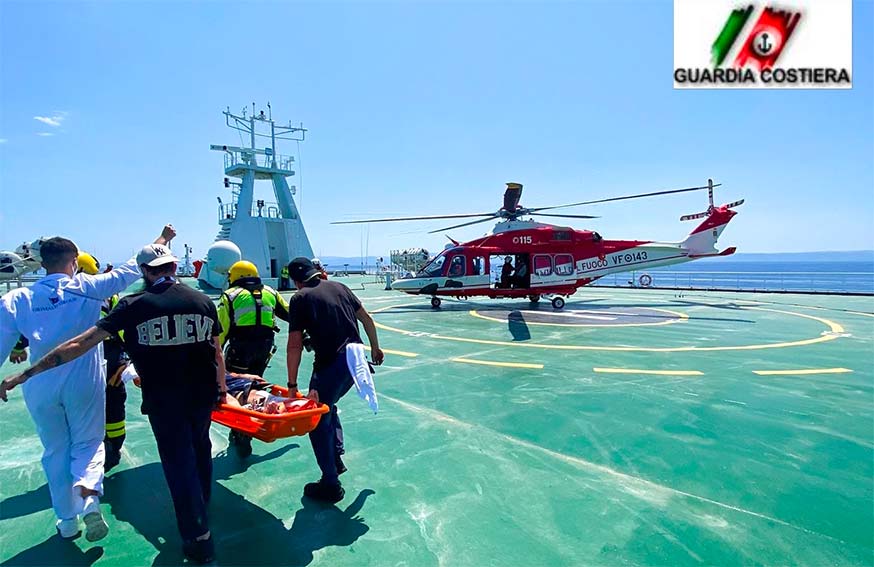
88,264
242,269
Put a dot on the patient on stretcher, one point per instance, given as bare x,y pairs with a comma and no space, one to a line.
249,391
253,392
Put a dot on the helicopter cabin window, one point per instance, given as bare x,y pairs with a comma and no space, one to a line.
479,263
7,266
564,235
434,268
456,267
542,265
564,264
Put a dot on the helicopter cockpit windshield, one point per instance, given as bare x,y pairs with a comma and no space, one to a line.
434,268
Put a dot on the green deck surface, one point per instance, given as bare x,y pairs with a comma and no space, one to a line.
476,464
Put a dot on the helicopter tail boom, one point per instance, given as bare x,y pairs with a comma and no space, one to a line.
702,240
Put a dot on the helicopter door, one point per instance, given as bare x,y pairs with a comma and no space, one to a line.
477,272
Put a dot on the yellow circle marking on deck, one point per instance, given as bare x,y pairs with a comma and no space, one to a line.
397,352
495,363
659,372
802,372
680,317
835,332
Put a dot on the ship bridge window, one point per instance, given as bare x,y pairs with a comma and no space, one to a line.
561,235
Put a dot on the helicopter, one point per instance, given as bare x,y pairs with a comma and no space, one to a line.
24,260
549,260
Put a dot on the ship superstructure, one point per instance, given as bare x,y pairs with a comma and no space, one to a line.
268,234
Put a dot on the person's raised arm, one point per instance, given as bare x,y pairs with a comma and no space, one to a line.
370,328
118,279
168,233
61,354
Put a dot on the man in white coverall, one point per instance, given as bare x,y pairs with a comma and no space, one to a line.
67,403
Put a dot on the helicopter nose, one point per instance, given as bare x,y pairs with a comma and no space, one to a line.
406,284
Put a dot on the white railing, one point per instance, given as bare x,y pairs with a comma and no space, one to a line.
277,161
227,211
823,282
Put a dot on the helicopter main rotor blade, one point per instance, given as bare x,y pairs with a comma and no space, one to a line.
463,224
428,217
512,195
638,196
566,216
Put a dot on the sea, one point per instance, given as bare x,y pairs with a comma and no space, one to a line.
753,272
787,276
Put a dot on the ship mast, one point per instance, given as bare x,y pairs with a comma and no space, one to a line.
268,234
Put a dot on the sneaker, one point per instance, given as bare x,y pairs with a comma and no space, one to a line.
199,551
324,492
95,526
341,466
68,529
242,443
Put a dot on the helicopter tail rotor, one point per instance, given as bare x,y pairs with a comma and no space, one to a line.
711,208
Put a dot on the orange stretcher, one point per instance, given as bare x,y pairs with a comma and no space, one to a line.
269,427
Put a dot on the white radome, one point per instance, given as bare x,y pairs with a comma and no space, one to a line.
222,255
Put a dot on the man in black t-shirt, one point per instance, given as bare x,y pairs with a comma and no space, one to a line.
329,312
171,335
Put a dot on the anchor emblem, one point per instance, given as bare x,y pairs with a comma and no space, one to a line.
764,46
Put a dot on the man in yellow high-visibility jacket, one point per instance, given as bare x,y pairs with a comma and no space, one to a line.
284,282
247,312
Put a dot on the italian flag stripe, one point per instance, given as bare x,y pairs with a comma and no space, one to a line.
736,20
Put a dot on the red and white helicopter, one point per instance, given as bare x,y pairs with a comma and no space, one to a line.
550,260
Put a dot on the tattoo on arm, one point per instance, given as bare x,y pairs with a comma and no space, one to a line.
70,350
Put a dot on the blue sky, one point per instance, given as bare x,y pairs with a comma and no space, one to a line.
413,108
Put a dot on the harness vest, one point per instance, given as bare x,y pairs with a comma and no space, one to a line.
109,305
250,310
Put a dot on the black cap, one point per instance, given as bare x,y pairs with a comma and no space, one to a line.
301,269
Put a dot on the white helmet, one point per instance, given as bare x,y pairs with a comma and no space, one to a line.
316,262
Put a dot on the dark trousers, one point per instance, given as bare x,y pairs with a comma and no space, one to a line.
186,456
115,428
249,355
331,383
116,396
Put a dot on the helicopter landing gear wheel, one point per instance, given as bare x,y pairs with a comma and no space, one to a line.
435,302
534,298
557,302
